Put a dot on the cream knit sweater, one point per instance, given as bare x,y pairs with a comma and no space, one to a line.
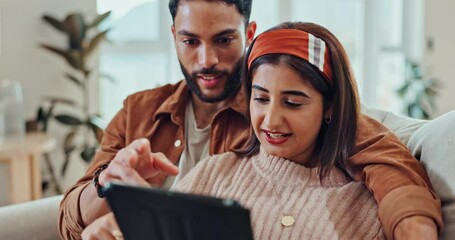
271,187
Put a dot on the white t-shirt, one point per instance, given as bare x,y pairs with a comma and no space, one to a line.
196,146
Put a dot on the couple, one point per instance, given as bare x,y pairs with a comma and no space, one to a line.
308,142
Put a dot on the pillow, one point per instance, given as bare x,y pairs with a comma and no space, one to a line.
434,145
401,126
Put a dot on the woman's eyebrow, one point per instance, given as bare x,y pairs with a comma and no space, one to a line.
293,92
260,88
286,92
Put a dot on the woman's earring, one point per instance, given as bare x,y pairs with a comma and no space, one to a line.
328,120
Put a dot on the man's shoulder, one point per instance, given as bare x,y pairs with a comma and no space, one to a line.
152,98
161,92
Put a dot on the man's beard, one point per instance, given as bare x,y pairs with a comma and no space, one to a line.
232,84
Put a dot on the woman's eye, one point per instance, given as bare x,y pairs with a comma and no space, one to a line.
261,100
293,104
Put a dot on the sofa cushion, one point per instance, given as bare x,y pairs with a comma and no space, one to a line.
31,220
433,144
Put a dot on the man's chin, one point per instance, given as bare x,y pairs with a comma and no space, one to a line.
211,98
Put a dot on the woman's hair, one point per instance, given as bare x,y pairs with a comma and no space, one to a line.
335,141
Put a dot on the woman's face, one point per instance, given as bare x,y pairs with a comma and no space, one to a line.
286,113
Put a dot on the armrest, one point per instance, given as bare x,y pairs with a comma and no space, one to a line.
31,220
433,144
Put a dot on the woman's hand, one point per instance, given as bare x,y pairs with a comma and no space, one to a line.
416,227
103,228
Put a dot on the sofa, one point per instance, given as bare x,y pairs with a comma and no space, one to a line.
33,220
432,142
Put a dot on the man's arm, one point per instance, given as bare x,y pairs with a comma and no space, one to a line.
132,165
403,127
398,181
81,200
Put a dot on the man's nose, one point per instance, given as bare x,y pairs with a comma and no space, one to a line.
208,57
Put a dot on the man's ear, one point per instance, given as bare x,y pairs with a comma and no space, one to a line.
250,31
173,32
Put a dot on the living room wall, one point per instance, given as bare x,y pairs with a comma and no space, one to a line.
440,50
39,72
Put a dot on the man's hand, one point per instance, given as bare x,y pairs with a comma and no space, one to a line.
104,227
135,164
416,227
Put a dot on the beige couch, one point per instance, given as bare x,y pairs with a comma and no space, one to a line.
32,220
433,143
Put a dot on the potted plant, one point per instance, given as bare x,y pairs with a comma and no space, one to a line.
79,49
418,91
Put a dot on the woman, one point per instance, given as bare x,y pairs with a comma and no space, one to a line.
294,176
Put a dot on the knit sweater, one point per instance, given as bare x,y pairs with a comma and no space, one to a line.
271,187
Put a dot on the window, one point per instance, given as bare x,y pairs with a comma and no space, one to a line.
142,55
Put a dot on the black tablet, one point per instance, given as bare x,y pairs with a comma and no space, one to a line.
145,213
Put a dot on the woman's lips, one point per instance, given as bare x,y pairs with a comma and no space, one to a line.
276,137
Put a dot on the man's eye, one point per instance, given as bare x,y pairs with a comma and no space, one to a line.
191,41
224,40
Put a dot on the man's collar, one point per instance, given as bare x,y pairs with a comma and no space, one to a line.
176,104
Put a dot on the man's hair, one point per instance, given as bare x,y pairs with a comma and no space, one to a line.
243,6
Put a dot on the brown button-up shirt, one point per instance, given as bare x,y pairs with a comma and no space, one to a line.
397,180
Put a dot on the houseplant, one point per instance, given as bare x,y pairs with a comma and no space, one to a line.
418,91
83,39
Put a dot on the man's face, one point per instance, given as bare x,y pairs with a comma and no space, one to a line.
210,39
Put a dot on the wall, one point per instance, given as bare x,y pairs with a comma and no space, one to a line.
39,72
439,33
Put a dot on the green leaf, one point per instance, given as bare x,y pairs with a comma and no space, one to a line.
108,77
55,23
74,80
69,145
94,43
76,29
72,57
40,115
99,19
403,89
68,120
55,100
99,133
88,153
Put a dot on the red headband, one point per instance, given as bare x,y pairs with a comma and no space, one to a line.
294,42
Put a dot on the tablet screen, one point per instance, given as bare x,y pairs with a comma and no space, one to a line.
146,213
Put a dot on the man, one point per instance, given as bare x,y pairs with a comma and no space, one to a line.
206,114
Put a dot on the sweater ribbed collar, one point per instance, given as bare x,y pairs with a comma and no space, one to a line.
287,173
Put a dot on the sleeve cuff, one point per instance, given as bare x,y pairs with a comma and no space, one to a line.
408,201
71,225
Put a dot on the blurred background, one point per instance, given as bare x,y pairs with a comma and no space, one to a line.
400,50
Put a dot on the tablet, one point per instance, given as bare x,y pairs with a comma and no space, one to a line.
146,213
